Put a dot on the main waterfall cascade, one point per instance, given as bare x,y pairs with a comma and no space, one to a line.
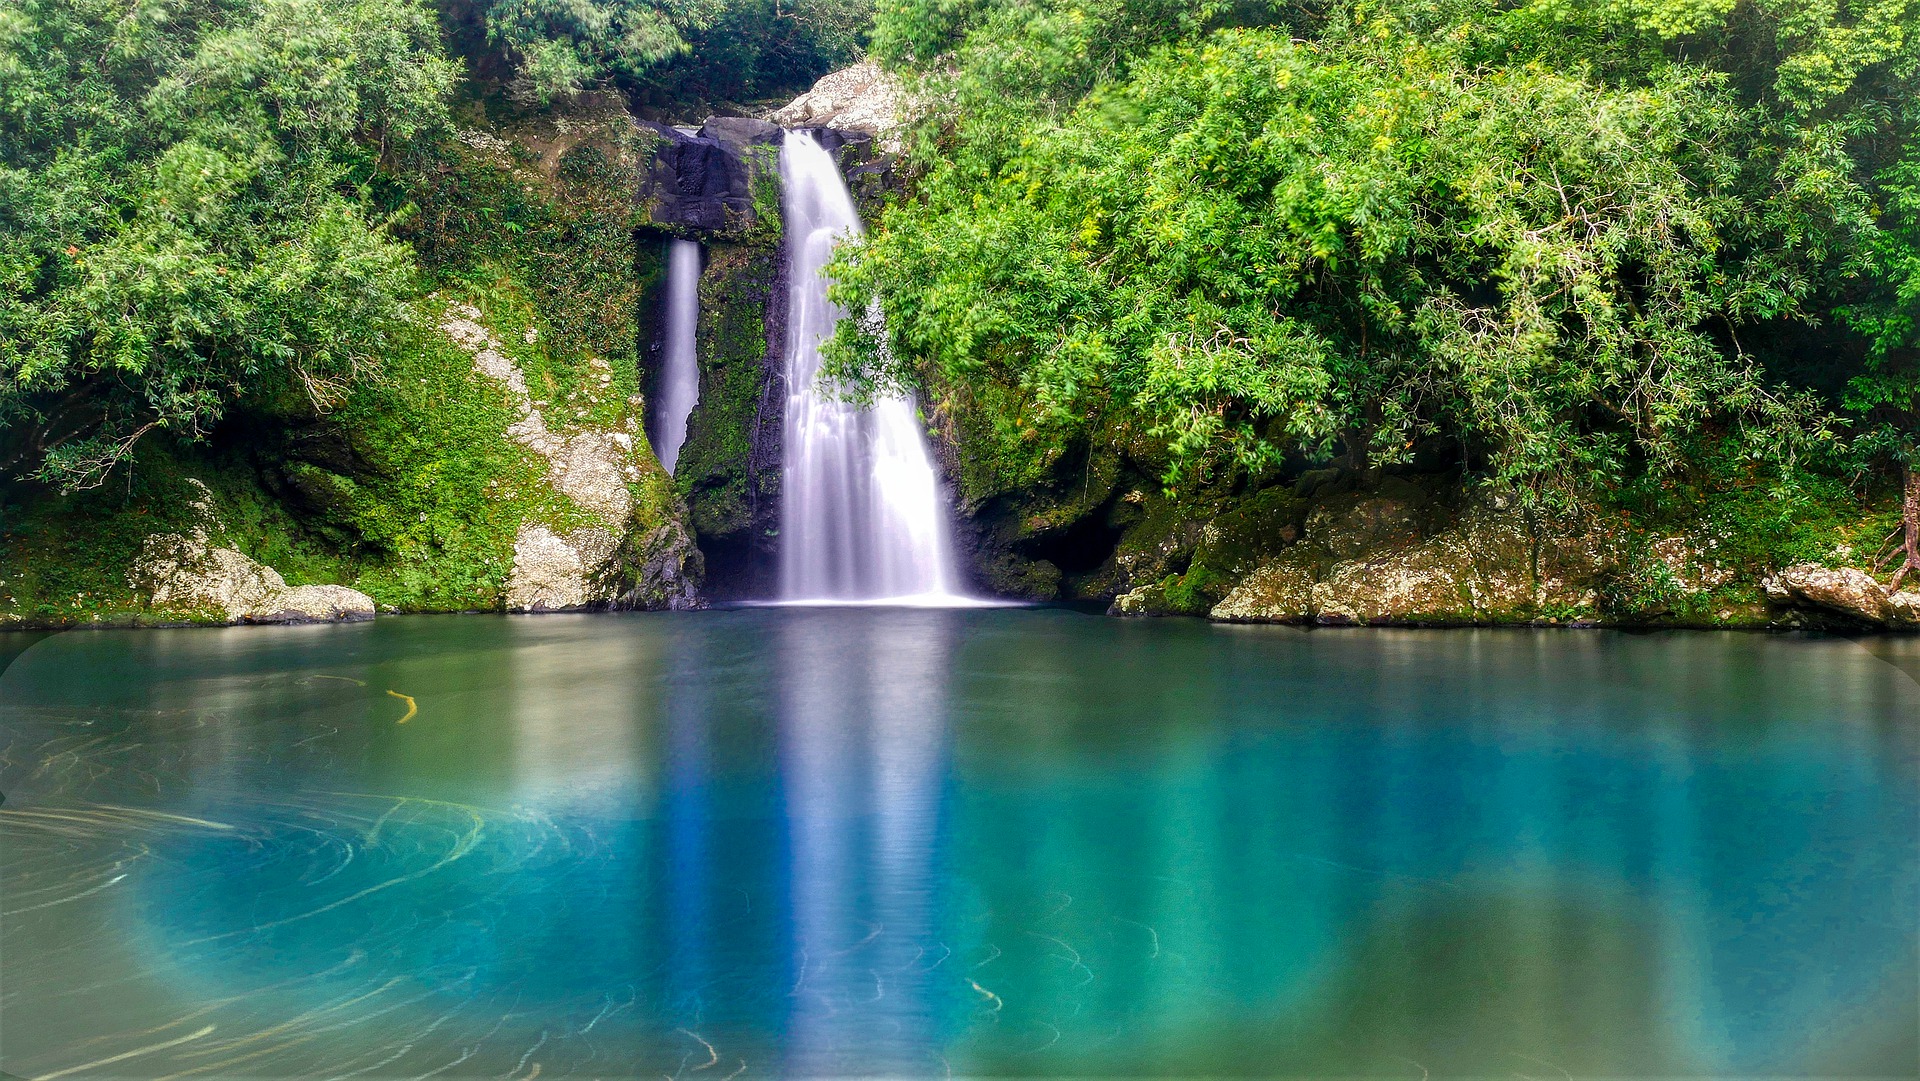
679,374
864,520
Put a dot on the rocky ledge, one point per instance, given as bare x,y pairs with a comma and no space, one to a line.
1848,591
1392,559
1401,555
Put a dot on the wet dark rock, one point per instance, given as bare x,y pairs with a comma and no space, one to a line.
706,183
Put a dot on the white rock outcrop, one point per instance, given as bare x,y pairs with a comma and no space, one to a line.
859,98
590,466
552,572
187,572
1847,590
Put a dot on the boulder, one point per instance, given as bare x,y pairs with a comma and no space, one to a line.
1503,547
315,604
1281,591
1906,607
1428,582
859,98
189,573
1847,590
1571,558
552,572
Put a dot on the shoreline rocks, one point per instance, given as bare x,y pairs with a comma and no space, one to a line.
1411,554
188,572
1849,591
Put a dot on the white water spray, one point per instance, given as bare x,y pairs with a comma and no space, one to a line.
863,519
679,373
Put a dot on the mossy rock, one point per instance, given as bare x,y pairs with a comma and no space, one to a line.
728,469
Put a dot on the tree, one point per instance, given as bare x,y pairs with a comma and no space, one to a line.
182,218
1261,247
1541,232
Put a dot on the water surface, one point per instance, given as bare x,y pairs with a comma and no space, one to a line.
1015,843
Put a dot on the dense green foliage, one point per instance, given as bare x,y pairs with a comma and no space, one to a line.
180,214
672,50
205,202
278,338
1557,237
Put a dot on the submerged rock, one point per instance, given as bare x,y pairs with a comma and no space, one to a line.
188,573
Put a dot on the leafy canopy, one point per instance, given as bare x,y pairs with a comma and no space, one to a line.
674,49
1540,234
181,216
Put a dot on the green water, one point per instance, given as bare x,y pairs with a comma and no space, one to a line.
829,843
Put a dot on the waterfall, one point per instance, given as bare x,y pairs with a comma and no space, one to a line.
680,373
863,519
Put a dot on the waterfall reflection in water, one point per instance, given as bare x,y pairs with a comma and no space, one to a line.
781,842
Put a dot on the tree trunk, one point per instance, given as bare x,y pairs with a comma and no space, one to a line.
1909,524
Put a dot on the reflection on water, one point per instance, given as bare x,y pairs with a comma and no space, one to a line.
818,843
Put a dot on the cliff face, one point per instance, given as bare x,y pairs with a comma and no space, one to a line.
720,185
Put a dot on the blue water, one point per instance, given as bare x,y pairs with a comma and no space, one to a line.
830,843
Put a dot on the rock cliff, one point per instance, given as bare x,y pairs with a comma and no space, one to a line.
607,555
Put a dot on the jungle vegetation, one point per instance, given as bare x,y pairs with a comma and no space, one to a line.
211,204
1574,246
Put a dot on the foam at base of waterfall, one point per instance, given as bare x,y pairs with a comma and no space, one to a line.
908,600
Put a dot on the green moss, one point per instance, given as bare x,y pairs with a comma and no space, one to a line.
436,515
1000,447
64,558
1195,592
555,255
716,469
1747,517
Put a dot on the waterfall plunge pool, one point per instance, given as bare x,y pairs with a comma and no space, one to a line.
779,842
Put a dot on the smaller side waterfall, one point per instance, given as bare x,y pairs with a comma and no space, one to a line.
863,519
679,386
